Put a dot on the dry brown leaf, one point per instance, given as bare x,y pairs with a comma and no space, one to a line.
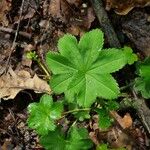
13,82
4,7
124,122
55,8
127,120
122,7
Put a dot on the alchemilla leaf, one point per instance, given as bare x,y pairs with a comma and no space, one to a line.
131,57
43,114
77,139
82,69
54,140
142,83
104,118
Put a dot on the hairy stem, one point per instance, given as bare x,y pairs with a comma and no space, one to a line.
43,68
74,110
127,86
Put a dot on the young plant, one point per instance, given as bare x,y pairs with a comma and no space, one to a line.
82,71
142,83
104,118
44,114
76,139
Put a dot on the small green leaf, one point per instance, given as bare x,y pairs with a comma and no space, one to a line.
32,55
111,105
131,58
55,140
144,68
77,139
102,147
104,119
42,115
142,83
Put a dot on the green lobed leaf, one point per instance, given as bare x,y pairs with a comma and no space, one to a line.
55,140
131,58
111,105
142,83
77,139
144,68
104,119
82,70
42,115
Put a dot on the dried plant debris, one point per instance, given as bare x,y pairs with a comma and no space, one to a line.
123,7
15,81
4,8
123,134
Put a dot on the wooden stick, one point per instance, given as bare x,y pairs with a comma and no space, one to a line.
105,23
9,30
143,111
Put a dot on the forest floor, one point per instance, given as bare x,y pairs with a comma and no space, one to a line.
35,26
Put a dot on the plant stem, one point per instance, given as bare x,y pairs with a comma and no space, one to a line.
43,68
123,95
76,110
127,86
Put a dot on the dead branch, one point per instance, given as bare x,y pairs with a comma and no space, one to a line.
105,23
15,38
143,111
11,31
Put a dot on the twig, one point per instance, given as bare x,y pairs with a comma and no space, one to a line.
16,34
105,23
44,69
9,30
143,111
